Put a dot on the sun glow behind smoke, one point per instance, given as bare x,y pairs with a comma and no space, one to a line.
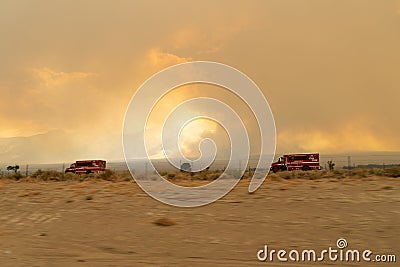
189,140
193,133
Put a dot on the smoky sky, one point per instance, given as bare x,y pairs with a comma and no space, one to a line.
329,69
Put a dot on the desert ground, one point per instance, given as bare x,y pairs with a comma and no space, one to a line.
94,222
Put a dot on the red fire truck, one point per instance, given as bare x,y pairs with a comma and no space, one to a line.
87,166
290,162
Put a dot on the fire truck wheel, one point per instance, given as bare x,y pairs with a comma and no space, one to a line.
305,168
88,172
275,169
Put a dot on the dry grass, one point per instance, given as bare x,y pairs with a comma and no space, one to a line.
337,174
205,176
50,175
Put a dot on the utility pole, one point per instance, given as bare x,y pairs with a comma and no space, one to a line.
26,170
349,162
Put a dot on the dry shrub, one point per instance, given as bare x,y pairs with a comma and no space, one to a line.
13,176
387,187
128,179
314,175
274,177
203,176
164,222
392,172
363,173
110,176
377,172
179,176
27,194
213,176
358,172
71,176
107,175
309,175
47,175
339,173
286,175
195,176
327,174
163,173
171,175
16,176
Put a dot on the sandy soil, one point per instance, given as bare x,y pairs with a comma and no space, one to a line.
100,223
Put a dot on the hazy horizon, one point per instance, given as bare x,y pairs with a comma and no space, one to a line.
341,159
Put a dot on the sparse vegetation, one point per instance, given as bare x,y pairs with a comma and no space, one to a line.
109,175
336,173
51,175
47,175
16,176
392,172
106,175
